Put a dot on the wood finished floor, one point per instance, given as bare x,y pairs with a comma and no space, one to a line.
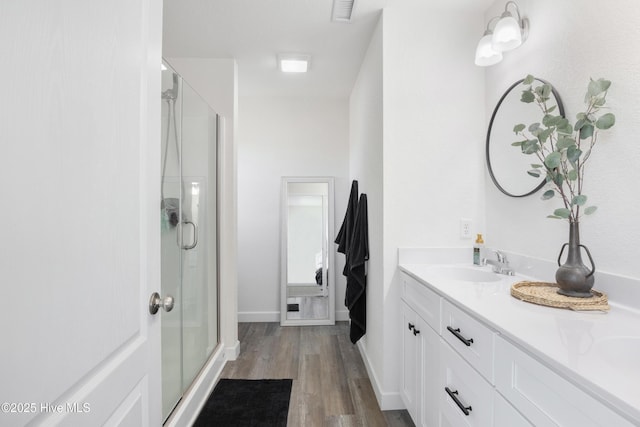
331,387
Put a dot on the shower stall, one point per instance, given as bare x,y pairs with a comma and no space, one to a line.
189,236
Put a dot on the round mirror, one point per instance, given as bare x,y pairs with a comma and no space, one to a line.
507,165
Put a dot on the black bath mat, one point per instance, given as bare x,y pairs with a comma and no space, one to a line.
247,403
293,307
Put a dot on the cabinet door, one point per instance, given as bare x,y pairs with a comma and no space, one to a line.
430,370
410,358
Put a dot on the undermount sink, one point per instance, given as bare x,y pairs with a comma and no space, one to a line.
463,273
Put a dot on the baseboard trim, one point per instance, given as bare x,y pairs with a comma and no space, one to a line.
258,316
342,316
232,352
274,316
388,401
196,396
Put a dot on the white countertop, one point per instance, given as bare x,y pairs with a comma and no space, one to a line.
598,351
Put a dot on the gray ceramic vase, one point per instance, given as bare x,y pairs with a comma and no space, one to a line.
573,277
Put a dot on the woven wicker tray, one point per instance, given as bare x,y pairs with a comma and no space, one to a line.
544,293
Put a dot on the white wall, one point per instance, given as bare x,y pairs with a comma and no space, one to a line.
427,171
283,136
569,42
216,81
365,165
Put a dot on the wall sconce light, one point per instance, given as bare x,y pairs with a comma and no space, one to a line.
508,34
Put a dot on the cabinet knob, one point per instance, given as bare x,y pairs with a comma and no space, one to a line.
415,331
411,326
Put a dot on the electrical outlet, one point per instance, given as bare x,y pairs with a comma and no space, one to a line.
465,228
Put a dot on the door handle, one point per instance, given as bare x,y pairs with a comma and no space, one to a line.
195,236
155,302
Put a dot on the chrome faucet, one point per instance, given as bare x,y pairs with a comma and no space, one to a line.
501,266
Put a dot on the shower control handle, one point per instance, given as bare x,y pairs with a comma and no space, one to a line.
155,302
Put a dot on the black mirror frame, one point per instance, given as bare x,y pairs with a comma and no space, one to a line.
488,140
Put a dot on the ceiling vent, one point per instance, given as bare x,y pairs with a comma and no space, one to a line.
342,10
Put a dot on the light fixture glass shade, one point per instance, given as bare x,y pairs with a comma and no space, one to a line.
507,34
293,65
485,55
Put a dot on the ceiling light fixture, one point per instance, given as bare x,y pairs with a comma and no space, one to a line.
508,34
294,63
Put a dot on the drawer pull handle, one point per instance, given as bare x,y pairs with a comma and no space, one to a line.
456,332
411,326
415,332
453,395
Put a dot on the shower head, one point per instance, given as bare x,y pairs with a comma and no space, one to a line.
172,94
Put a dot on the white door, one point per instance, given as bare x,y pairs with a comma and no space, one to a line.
79,212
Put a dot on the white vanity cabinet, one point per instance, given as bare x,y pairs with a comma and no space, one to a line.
543,396
420,351
459,372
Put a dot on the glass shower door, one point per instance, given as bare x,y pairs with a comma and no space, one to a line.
171,189
199,239
188,236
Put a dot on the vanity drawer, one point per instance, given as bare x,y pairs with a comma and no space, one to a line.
461,382
423,300
504,415
543,396
469,337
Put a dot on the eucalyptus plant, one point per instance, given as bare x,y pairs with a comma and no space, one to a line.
563,149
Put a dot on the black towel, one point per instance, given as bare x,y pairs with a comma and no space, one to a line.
355,297
346,230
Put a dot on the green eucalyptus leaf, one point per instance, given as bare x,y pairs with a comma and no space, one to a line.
564,127
528,80
596,87
590,210
517,143
530,146
565,142
580,123
548,195
550,120
534,127
544,135
562,213
553,160
552,108
546,90
572,175
606,121
519,128
581,116
558,179
573,154
599,102
554,217
536,166
604,84
586,131
534,173
579,200
527,96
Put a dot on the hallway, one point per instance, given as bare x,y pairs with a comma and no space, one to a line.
331,386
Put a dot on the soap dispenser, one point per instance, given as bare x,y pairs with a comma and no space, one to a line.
476,249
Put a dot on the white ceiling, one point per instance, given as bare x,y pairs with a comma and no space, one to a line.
255,31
